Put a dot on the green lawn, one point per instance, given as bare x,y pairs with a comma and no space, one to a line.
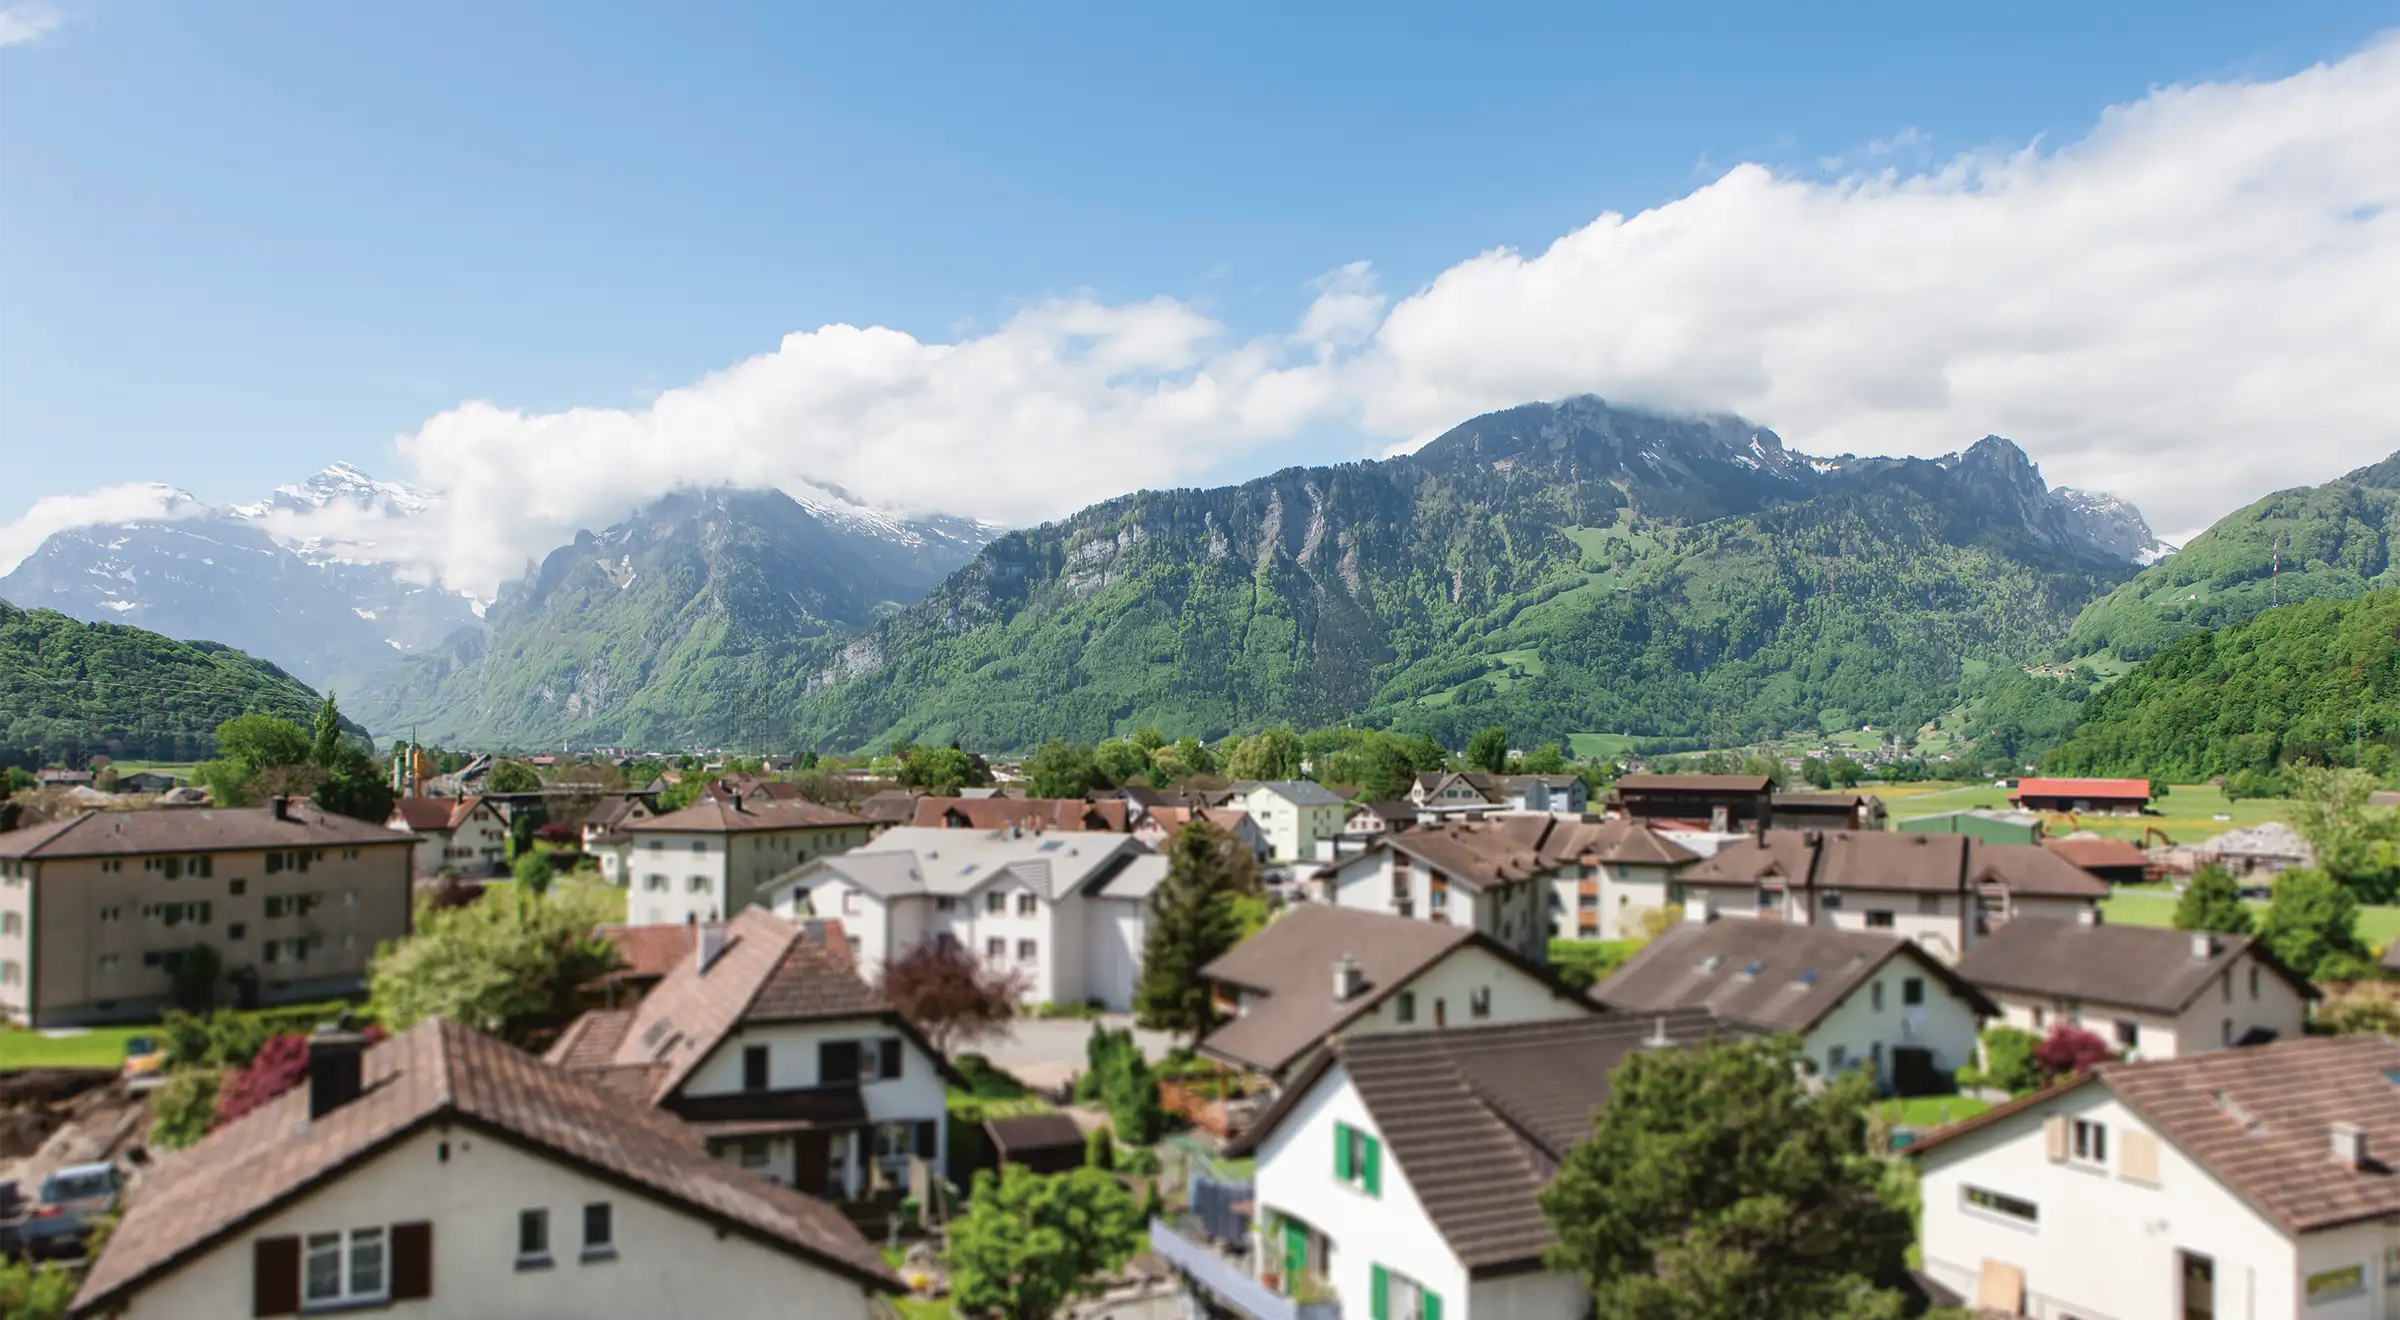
1926,1111
913,1307
2154,905
101,1047
2187,814
1598,746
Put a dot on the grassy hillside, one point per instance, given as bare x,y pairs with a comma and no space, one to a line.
68,687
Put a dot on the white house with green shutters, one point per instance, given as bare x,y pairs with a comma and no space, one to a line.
1395,1180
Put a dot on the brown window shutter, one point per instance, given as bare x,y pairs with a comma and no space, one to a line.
2137,1157
2054,1137
889,1064
929,1138
275,1276
412,1261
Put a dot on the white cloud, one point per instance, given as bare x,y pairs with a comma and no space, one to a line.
27,22
133,501
2195,303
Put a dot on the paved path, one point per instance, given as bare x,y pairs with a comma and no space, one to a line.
1045,1052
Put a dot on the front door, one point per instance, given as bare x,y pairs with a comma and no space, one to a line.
2199,1286
815,1152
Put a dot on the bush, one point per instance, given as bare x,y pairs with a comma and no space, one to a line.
183,1108
1141,1161
2008,1062
1099,1149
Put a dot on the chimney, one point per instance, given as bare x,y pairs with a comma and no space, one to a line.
2087,918
335,1054
2204,945
1347,979
2349,1145
737,800
281,806
712,943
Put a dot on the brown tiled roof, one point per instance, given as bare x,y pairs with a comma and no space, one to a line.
1828,801
2099,854
1397,813
1481,853
892,806
205,829
1291,962
1066,814
1480,1117
715,816
768,971
1696,783
440,1072
424,814
1774,976
2259,1119
612,813
1031,1132
647,953
1904,862
2149,968
591,1040
1627,842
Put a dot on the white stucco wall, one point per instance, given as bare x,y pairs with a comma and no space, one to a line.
665,1260
2209,1022
1452,983
1115,930
1516,915
1944,1023
2105,1246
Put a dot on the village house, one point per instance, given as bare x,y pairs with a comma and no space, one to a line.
1945,891
1319,972
1465,794
1070,912
1295,815
1051,815
2236,1183
1160,825
765,1040
888,807
442,1172
96,910
707,861
1399,1174
1619,875
606,839
455,836
1714,802
1369,821
1493,876
2150,992
1804,810
1856,999
2108,797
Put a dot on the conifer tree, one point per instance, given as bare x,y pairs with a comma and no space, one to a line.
1192,923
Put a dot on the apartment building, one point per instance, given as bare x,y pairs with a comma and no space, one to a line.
708,860
464,836
1294,815
96,911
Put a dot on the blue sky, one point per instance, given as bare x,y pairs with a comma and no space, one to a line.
238,242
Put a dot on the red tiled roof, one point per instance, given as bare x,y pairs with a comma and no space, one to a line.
2108,789
1066,814
2097,854
720,816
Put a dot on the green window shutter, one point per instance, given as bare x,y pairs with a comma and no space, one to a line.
1379,1293
1341,1151
1429,1305
1373,1173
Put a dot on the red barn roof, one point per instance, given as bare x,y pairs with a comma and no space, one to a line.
2098,789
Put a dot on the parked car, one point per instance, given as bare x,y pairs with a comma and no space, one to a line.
72,1200
143,1058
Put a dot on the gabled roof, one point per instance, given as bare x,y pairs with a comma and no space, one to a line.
440,1072
1629,842
1063,815
1906,862
300,824
918,860
1299,792
1291,963
768,971
431,814
2082,788
647,953
711,815
2148,968
2259,1121
1479,1118
896,806
1696,783
1768,974
613,812
2099,854
1171,819
1399,813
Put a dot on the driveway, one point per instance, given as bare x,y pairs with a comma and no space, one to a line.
1045,1052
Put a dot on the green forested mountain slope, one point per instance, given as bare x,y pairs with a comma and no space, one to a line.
2335,542
67,686
1558,568
2318,681
692,621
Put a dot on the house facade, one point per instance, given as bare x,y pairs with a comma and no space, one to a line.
96,910
765,1041
455,836
708,860
1620,876
1478,875
2244,1183
1068,912
1294,815
2151,993
1159,825
452,1175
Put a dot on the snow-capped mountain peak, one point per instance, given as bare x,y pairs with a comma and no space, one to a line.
344,484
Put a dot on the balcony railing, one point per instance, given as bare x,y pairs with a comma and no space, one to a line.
1226,1281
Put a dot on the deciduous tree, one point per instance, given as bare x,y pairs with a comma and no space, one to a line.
949,994
1061,770
2068,1050
1031,1243
1488,750
1268,754
2212,901
2312,926
508,966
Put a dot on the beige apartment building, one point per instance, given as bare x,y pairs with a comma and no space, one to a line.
96,911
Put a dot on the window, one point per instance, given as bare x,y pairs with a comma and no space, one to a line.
1998,1203
1879,918
1837,1057
1028,951
1027,904
1767,898
110,962
699,845
995,948
2254,983
2129,1033
944,904
751,1152
2225,1032
287,951
837,1062
2087,1143
11,923
1399,1297
2037,1018
995,903
849,902
1404,1006
1875,996
1832,900
2226,981
236,887
754,1067
1588,901
1929,905
1479,1002
1912,991
533,1238
1357,1159
882,1063
697,884
112,913
599,1230
344,1267
2325,1285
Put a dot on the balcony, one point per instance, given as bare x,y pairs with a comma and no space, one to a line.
1221,1279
